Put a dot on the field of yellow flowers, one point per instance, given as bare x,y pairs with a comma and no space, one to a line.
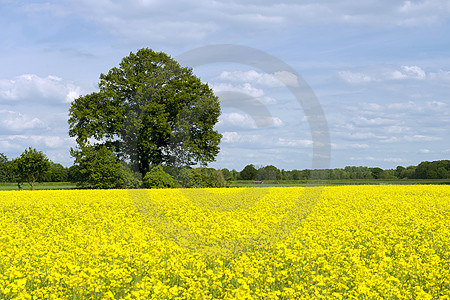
348,242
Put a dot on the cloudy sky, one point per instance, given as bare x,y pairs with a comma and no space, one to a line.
379,69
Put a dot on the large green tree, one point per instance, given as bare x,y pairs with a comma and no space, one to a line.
149,111
30,166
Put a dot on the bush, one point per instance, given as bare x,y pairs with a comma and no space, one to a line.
201,178
98,169
156,178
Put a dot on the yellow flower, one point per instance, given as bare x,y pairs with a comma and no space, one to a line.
245,243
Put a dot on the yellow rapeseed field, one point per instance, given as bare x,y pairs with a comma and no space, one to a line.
349,242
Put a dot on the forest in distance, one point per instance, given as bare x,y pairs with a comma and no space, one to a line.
425,170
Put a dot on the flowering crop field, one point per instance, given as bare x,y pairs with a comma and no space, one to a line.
348,242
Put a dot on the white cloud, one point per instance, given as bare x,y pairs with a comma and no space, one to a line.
397,75
423,12
277,122
236,120
414,72
395,160
359,146
32,88
245,88
287,78
391,139
367,158
421,138
353,77
158,21
230,137
14,121
247,121
294,142
250,76
440,75
388,73
402,106
234,137
376,159
408,72
419,107
424,150
360,120
397,129
40,141
343,146
362,135
8,146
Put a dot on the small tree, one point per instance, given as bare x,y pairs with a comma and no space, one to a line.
30,166
156,178
248,173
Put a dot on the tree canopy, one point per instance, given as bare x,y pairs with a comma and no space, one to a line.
149,111
156,178
248,173
30,166
5,169
98,169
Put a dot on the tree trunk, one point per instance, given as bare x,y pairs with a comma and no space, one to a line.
32,183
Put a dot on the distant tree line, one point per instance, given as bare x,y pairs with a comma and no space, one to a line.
101,169
425,170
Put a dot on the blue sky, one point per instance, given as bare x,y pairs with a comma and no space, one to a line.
380,70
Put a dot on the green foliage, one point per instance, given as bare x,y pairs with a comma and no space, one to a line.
377,173
388,174
208,177
56,173
248,173
439,169
150,111
399,172
229,175
73,173
409,172
98,169
201,178
30,166
156,178
186,178
268,173
6,174
131,180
